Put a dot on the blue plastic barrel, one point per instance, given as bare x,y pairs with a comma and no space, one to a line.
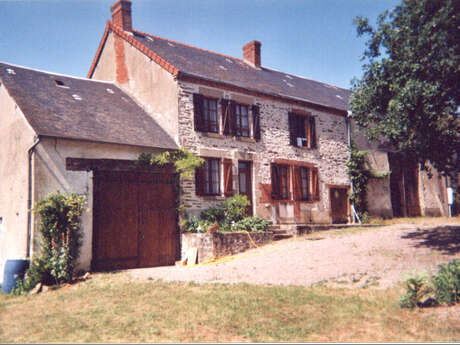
14,270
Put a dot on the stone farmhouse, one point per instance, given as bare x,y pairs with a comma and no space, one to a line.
280,139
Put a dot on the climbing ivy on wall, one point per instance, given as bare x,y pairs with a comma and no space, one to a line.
360,173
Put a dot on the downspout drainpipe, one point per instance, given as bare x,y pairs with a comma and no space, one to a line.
30,153
348,123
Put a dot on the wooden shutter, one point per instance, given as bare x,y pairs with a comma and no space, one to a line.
232,118
315,183
198,111
292,129
312,133
256,121
200,180
225,116
297,181
228,177
275,182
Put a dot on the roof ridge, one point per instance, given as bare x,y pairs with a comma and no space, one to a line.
188,45
56,74
144,49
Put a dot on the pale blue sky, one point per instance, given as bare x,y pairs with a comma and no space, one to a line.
311,38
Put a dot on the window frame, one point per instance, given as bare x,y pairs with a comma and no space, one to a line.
207,124
239,129
302,126
207,177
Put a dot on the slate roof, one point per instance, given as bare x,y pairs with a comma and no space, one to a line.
217,67
81,109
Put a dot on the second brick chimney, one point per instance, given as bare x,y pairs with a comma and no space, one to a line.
251,53
121,14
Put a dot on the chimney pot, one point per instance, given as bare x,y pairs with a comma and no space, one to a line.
251,53
121,14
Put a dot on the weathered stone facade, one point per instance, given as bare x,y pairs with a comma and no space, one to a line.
330,156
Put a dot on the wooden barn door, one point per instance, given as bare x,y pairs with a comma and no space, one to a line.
135,222
339,205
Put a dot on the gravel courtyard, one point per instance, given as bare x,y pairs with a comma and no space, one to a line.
375,257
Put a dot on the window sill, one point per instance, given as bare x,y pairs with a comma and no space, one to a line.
305,148
244,139
212,197
212,135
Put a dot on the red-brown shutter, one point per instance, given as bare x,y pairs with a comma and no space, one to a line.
292,129
225,116
312,132
256,121
315,183
296,182
232,118
228,177
275,181
198,111
200,180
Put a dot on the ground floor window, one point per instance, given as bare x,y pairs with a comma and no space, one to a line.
207,178
294,182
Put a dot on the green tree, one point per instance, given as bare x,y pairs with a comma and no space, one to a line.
410,90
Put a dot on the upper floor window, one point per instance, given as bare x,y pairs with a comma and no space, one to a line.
234,117
302,131
241,120
205,113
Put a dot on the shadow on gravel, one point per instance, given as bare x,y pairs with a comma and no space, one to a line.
445,239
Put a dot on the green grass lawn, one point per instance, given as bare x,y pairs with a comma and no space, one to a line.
117,308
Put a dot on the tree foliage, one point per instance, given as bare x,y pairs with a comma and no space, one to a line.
409,93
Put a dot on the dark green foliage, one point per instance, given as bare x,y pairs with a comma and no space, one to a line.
60,241
442,288
360,173
251,224
184,161
409,94
417,290
447,283
230,215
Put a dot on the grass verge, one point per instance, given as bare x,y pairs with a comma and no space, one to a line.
118,308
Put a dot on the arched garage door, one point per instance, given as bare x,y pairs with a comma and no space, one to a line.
135,219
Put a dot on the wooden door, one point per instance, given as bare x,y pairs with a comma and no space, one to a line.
244,182
339,205
135,222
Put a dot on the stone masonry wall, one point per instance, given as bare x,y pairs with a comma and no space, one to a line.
330,156
222,244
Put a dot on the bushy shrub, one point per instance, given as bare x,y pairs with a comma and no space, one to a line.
417,290
235,208
213,214
196,225
447,283
251,224
60,241
442,288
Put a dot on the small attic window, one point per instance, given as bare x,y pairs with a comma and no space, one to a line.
222,67
170,44
338,96
77,97
228,60
288,76
10,71
110,91
60,83
149,38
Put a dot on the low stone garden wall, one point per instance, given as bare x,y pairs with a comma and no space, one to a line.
221,244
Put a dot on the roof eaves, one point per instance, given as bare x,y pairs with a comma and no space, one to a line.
99,50
142,48
184,75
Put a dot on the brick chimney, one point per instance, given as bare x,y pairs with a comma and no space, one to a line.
251,53
121,14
